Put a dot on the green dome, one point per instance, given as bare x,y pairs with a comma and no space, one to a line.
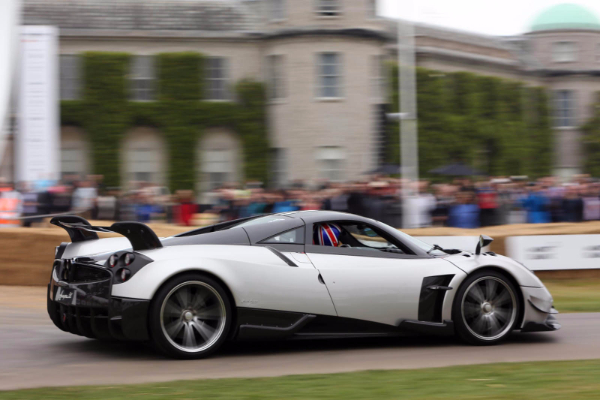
566,16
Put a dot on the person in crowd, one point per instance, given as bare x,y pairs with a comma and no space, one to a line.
285,203
487,199
572,205
186,207
591,203
443,201
84,198
537,205
465,214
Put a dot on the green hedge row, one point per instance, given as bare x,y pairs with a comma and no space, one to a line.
106,114
498,126
591,140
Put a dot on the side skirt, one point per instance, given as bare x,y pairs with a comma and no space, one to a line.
257,324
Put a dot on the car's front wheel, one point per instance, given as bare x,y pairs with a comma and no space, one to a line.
190,316
486,308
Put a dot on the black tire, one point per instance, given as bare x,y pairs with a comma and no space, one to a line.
164,323
486,308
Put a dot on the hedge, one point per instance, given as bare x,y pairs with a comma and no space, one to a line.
179,113
498,126
591,140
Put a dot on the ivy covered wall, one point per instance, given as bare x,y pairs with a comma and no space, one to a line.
498,126
591,141
106,114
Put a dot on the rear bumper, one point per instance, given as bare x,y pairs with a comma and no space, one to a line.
88,309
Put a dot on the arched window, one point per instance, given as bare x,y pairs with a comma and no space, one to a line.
219,159
74,153
143,157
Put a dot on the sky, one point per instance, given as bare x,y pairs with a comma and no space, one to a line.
492,17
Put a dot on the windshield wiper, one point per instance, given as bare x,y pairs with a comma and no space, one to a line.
447,251
391,250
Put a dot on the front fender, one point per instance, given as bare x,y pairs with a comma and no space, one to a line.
520,273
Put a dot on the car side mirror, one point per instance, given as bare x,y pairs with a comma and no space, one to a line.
483,241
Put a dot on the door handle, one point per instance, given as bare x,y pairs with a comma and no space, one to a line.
321,279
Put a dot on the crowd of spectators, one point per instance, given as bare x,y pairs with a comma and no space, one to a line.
460,202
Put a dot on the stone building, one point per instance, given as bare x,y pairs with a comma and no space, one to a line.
322,63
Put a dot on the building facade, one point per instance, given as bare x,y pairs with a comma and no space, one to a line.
322,64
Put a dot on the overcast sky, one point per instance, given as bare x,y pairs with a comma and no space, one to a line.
492,17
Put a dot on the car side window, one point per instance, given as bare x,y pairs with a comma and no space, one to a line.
354,235
294,236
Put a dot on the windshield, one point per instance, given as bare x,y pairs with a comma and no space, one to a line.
406,238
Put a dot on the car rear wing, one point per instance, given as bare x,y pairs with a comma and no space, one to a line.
79,229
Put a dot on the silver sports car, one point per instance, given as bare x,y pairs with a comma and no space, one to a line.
304,274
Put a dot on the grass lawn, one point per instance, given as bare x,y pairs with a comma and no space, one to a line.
575,295
541,380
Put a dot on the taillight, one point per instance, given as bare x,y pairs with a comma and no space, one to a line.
128,259
112,261
124,274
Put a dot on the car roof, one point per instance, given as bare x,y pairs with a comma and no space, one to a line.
260,231
313,216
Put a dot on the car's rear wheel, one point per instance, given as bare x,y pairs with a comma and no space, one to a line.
190,316
486,308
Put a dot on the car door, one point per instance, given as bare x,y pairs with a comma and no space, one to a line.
298,286
372,284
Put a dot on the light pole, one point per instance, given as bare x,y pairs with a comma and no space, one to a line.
409,150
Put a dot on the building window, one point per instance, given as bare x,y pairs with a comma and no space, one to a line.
70,77
372,9
328,8
378,78
329,75
143,78
275,68
564,52
279,167
330,162
277,10
564,109
143,165
217,79
217,167
71,161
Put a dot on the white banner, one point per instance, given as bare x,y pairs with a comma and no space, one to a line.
555,252
9,45
37,139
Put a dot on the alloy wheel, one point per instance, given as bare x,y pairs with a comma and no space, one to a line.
193,316
489,308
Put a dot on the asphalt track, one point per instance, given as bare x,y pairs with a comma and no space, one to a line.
33,353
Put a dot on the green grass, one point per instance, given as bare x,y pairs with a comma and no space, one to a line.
541,380
575,295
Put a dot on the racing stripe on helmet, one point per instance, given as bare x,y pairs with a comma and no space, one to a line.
332,237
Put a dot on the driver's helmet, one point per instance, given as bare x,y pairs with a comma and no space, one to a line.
327,235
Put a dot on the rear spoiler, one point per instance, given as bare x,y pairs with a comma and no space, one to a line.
79,229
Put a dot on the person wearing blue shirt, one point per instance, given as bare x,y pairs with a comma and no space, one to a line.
537,205
465,214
